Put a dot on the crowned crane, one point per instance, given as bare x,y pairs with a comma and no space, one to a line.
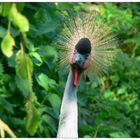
88,47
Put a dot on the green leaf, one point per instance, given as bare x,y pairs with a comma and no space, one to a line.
138,58
32,119
55,101
29,44
7,45
44,81
20,6
23,86
14,32
120,135
5,8
51,52
122,90
6,105
44,19
37,57
24,65
50,121
87,136
1,69
0,8
12,61
2,32
18,19
16,121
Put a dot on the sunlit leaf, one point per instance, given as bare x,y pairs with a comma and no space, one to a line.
87,136
37,57
18,19
44,81
122,90
120,135
7,45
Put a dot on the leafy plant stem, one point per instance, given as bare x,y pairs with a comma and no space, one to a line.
9,26
5,127
95,135
44,100
29,77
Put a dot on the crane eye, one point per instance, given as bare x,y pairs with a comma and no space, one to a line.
86,55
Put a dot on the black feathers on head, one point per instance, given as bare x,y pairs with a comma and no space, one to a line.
83,46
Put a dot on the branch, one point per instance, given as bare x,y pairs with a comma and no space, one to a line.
5,127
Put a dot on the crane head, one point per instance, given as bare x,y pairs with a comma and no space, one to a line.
80,58
87,44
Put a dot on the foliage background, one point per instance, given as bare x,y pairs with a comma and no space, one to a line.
109,108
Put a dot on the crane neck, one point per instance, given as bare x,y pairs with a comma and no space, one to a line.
68,121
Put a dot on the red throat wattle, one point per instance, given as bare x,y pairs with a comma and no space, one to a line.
75,73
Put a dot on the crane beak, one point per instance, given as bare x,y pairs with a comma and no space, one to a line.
78,63
75,71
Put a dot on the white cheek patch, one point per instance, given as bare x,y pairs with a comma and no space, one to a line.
78,59
81,61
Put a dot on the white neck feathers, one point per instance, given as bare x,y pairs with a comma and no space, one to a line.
68,124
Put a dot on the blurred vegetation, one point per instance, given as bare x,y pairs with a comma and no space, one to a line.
31,85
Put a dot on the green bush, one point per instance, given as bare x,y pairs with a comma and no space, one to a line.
32,85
